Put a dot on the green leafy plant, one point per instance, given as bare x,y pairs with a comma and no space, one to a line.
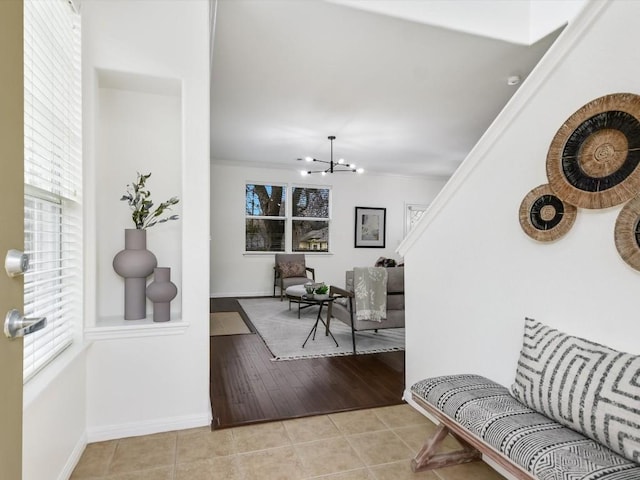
139,198
322,289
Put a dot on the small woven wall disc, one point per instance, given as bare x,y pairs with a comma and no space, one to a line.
593,159
544,216
627,233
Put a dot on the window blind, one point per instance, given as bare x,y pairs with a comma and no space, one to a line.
53,177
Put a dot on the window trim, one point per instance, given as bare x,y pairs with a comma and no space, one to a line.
289,218
311,219
265,217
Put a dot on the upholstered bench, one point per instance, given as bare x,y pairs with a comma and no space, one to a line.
573,413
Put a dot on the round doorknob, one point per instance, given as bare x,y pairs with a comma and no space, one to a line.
16,263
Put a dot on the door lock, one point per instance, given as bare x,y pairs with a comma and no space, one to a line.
15,325
16,263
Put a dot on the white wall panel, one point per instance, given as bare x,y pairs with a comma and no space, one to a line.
473,274
235,273
147,383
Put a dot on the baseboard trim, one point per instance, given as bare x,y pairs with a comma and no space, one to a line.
135,429
243,294
74,458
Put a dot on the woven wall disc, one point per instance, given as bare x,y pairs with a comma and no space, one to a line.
627,233
593,159
544,217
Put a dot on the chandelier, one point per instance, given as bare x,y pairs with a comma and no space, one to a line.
333,167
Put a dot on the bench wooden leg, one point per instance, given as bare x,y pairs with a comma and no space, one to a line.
428,459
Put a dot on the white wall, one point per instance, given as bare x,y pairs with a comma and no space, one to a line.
54,418
234,273
473,274
156,381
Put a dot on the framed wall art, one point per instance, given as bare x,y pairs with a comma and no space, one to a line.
370,227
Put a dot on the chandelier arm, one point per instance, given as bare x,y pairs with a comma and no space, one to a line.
308,172
313,160
334,167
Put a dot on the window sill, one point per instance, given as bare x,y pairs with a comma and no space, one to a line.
112,328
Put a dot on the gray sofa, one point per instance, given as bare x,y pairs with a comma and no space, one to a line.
343,308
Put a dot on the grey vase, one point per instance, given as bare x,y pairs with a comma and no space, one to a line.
135,263
161,291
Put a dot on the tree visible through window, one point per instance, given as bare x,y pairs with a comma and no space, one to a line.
310,220
265,210
268,221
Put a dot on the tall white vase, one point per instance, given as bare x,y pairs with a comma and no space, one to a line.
161,291
135,263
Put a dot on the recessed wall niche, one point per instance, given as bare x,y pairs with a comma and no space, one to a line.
138,128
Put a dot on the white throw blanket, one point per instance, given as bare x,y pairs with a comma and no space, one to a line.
370,288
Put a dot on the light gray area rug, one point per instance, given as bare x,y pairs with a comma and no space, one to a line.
284,333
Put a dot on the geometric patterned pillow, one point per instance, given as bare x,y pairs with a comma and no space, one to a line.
583,385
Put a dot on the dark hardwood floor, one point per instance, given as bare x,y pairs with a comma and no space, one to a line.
248,387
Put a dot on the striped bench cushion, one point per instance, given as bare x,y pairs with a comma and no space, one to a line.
538,444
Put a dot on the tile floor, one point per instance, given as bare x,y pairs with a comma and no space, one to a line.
375,444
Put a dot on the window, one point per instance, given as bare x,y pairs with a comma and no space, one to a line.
53,178
310,220
413,213
265,207
271,226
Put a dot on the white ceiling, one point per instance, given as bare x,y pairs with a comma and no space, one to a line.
516,21
400,96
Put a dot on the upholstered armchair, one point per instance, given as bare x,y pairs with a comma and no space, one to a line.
290,269
344,306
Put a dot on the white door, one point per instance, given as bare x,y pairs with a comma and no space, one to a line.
11,231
